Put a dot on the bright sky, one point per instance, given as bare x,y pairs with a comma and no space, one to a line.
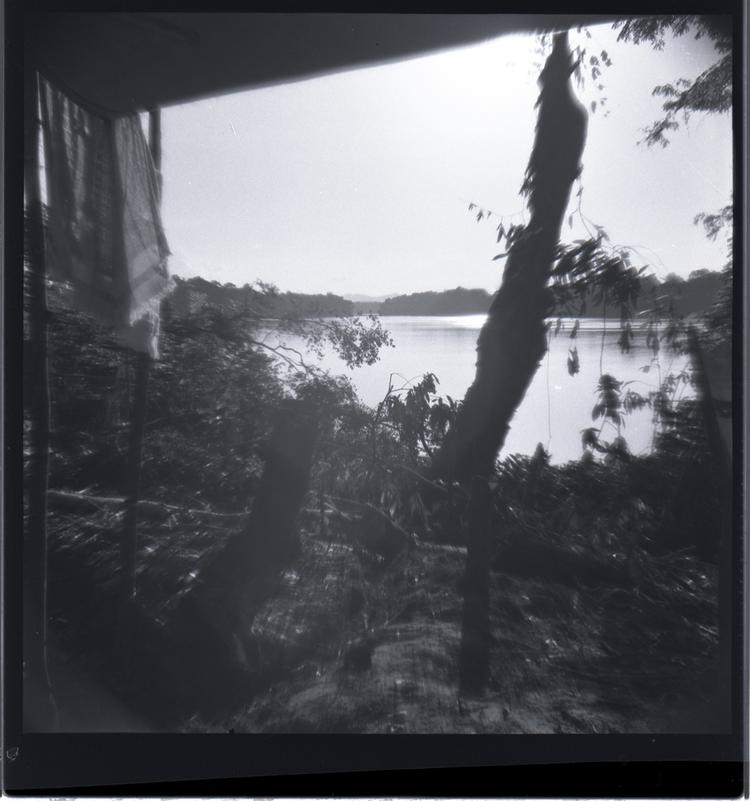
359,182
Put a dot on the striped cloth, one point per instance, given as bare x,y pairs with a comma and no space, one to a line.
104,231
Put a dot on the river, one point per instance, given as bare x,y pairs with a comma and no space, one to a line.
556,407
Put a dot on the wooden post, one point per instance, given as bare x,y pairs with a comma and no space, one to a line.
722,470
154,142
39,708
129,543
473,669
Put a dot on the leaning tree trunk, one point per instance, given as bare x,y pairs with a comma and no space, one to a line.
216,616
513,340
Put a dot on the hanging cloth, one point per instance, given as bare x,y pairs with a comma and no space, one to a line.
104,232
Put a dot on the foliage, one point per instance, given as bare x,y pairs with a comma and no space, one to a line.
718,318
209,404
589,268
245,315
260,297
211,395
380,456
594,270
420,420
356,341
588,65
609,404
710,92
593,276
651,29
208,408
713,224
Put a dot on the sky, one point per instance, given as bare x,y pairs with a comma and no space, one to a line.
359,182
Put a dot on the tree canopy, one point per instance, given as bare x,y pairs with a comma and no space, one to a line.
710,92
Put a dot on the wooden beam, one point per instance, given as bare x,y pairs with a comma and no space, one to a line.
186,56
40,712
722,469
129,544
154,143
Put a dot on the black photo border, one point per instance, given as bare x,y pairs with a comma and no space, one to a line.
689,766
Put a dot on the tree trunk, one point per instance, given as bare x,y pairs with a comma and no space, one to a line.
216,616
513,339
271,537
511,344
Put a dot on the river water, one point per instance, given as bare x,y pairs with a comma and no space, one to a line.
556,407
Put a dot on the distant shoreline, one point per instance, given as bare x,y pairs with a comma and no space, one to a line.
611,322
690,296
693,296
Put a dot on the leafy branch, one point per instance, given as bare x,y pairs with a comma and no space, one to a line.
710,92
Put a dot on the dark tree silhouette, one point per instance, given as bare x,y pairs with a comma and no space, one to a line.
513,339
709,93
512,342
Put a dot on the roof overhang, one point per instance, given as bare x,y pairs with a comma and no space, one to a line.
120,63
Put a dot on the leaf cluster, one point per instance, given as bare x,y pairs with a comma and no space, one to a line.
237,315
420,418
590,269
652,29
713,224
710,92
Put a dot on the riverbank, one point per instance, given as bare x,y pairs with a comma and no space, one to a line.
603,608
591,632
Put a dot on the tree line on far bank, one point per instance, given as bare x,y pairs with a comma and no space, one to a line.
693,295
265,300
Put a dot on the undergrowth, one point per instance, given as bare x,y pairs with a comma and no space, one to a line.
604,585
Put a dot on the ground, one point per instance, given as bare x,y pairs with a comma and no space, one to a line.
345,640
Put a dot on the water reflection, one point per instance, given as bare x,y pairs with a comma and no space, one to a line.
557,406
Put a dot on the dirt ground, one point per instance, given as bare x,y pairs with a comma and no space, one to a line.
345,641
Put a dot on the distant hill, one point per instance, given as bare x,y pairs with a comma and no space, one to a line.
452,301
689,296
366,298
193,293
367,306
